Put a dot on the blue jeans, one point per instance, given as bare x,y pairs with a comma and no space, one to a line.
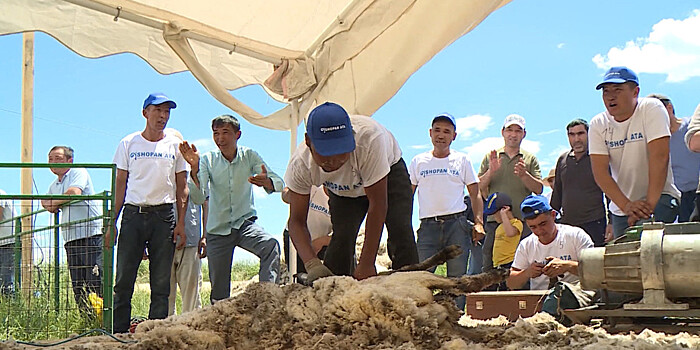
435,235
84,257
153,230
596,230
666,210
7,269
250,237
687,205
347,214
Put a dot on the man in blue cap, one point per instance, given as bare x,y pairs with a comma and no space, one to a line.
629,150
359,162
550,251
440,176
151,177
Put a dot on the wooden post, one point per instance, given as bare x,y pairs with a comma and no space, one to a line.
27,152
292,263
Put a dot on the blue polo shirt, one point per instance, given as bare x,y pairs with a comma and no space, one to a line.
684,163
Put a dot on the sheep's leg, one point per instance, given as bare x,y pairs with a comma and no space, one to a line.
447,253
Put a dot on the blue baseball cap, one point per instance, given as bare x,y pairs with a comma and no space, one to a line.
618,75
534,205
157,98
445,116
496,201
329,130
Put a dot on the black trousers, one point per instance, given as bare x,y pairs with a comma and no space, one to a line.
348,213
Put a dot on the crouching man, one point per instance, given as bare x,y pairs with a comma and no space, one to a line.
551,251
549,255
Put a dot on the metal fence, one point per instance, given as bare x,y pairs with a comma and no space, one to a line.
56,273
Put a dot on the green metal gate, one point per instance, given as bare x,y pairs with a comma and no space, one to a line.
41,302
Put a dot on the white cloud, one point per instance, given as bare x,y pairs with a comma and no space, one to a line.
424,146
477,150
259,193
558,150
531,146
672,48
548,132
560,45
466,126
204,145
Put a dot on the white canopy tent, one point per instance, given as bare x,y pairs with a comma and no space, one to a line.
357,53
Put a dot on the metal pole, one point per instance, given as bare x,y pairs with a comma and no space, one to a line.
108,256
27,150
57,264
18,255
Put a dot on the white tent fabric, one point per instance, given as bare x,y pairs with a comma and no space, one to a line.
354,52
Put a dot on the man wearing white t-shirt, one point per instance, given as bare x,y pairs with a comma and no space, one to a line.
151,177
318,222
359,162
631,139
550,251
439,176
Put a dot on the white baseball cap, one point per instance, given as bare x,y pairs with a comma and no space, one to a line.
514,119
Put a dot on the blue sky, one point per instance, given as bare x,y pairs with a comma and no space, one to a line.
541,59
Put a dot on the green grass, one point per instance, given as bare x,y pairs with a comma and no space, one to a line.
441,270
37,317
242,271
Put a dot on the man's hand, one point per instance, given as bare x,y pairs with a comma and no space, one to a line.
556,267
609,233
638,210
110,236
478,233
315,270
179,231
363,271
535,270
202,248
262,180
494,161
190,153
520,169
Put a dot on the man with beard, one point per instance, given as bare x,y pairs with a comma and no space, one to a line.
575,192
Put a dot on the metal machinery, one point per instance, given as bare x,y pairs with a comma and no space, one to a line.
650,275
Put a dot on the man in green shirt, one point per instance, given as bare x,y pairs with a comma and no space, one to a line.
226,176
509,170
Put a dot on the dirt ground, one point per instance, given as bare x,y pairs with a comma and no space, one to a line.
386,312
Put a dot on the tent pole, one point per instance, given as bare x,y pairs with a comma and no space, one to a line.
26,157
293,125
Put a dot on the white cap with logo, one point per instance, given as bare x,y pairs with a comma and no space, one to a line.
514,119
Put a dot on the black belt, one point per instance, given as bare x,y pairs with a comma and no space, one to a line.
150,209
443,217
